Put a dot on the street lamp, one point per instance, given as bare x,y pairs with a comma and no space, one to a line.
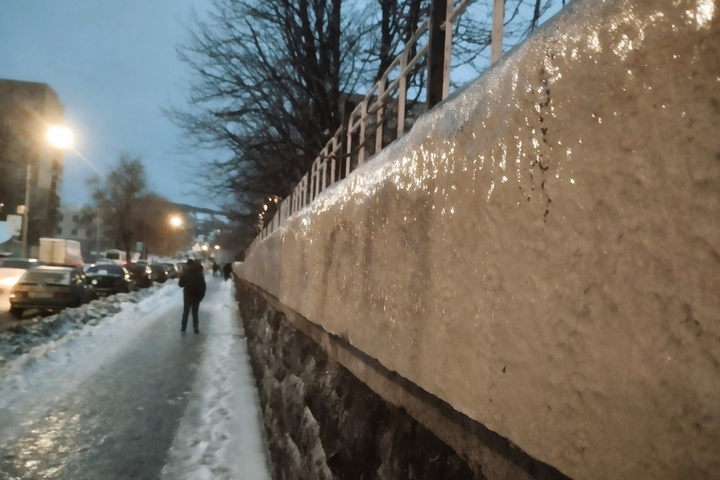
58,136
176,221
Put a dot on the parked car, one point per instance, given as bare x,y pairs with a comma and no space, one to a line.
159,273
50,288
11,269
110,279
172,270
141,273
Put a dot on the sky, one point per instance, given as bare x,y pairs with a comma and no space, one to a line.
113,64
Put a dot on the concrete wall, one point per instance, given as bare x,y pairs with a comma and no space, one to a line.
542,251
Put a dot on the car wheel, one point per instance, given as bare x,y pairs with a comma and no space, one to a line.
16,312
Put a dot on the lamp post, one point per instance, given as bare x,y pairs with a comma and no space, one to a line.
176,221
59,137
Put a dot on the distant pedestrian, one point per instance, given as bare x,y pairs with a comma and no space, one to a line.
216,269
192,281
227,271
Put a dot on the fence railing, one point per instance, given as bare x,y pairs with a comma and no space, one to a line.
372,116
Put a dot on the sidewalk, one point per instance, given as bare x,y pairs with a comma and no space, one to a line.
221,435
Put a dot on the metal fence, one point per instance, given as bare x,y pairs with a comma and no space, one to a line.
366,131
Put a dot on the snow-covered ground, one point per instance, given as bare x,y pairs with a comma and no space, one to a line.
221,430
222,427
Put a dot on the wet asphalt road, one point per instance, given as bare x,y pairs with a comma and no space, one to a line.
119,423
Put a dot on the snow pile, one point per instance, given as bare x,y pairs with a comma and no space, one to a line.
28,347
22,338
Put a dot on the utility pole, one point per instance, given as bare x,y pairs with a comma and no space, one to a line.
97,235
26,213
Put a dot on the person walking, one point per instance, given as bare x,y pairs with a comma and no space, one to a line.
227,271
216,269
192,281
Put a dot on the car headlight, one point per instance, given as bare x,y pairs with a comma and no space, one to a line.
9,281
94,282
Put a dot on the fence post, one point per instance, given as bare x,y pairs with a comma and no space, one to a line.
313,172
379,121
348,162
497,30
436,53
402,93
304,191
324,153
333,161
363,122
447,57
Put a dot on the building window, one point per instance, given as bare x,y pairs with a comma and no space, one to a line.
73,232
60,217
76,218
88,233
59,231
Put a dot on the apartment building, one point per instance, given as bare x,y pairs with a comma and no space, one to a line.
76,224
27,109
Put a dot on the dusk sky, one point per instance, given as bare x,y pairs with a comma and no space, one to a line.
113,65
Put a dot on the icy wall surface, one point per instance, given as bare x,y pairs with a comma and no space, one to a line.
542,251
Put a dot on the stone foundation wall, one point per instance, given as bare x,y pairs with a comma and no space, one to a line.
324,423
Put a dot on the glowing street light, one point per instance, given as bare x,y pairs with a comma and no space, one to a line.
204,248
59,136
176,221
217,247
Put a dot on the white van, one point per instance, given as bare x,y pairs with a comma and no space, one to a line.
118,257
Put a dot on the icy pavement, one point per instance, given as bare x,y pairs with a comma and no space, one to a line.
130,397
220,436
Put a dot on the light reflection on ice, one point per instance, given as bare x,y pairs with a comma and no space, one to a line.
704,13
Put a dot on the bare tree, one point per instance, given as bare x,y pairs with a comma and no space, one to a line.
270,77
116,199
153,226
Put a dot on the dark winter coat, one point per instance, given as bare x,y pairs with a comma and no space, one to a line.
193,283
227,270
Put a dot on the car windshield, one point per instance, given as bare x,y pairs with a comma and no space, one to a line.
17,263
113,255
48,277
157,267
105,270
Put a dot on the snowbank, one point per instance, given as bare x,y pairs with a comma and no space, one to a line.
46,331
